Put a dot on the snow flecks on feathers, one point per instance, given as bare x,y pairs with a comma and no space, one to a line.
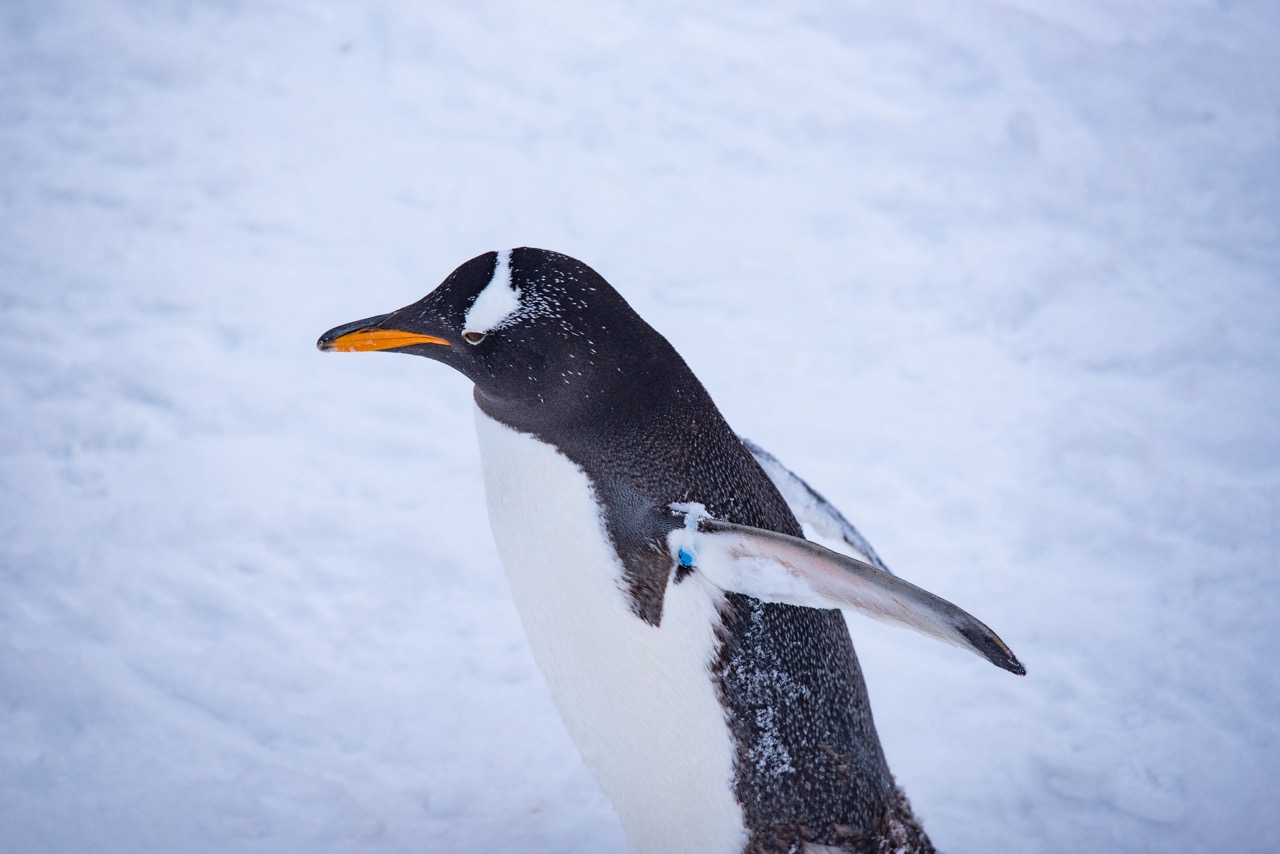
770,692
543,297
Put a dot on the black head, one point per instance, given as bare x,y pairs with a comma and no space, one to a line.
532,329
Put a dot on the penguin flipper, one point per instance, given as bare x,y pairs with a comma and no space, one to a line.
811,508
779,568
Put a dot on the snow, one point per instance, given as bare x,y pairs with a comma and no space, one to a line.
996,278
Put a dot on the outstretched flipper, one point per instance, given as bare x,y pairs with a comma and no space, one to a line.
811,508
775,567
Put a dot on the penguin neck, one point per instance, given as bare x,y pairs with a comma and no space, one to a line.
614,403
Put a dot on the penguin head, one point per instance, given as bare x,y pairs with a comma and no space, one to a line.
527,326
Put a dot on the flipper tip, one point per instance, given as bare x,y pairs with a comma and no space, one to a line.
987,644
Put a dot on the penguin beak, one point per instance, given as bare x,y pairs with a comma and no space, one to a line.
361,336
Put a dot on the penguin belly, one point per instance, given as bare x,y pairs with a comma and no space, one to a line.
638,700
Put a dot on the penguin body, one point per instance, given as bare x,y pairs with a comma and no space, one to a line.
685,628
665,766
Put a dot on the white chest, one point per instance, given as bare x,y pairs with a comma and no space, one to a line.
638,700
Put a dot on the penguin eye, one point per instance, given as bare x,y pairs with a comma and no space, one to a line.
473,337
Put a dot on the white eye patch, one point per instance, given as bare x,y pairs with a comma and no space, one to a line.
497,303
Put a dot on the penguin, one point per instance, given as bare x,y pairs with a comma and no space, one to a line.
690,636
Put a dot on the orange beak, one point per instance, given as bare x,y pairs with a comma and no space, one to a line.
363,335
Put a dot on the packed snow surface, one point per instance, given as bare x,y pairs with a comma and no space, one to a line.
1000,279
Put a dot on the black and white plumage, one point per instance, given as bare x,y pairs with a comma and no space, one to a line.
811,509
684,626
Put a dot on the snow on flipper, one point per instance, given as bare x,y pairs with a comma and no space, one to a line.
811,508
775,567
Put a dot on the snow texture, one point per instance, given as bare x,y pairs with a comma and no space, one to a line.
999,279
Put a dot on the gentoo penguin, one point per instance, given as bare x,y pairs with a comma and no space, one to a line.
686,629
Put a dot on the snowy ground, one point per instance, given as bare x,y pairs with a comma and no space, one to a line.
1000,278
